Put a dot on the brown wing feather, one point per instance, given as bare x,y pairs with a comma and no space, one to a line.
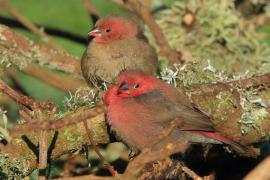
161,110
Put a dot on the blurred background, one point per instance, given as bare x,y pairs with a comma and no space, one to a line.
238,32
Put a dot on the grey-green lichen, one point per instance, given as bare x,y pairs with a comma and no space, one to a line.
251,119
13,169
10,57
18,50
225,101
11,52
3,125
254,112
221,47
220,34
201,71
84,96
193,72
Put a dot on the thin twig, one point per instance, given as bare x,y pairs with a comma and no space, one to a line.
261,171
259,20
21,99
27,23
86,177
93,143
26,116
39,125
191,173
91,10
121,4
43,150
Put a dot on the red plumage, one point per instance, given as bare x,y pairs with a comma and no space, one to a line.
140,106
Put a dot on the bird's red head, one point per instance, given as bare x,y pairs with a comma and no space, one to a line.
132,83
113,28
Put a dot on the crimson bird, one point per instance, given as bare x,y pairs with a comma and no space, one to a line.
139,107
118,44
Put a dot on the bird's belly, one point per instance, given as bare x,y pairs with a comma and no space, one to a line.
137,134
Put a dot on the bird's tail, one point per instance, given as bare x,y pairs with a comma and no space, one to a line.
242,149
248,151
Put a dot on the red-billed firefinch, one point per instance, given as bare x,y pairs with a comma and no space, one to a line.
118,44
139,107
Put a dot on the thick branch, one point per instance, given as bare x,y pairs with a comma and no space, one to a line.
40,125
221,101
64,82
20,155
225,102
20,51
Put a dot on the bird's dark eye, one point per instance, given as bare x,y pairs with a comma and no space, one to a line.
108,30
136,86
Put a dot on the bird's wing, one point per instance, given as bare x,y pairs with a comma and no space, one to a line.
163,110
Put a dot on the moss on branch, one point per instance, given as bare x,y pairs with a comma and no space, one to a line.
19,157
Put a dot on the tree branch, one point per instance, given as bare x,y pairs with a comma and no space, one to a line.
93,143
64,135
261,171
24,53
21,99
20,51
226,103
64,81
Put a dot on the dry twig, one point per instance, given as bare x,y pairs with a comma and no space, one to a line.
93,143
91,10
43,154
39,125
19,49
26,116
191,173
21,99
261,171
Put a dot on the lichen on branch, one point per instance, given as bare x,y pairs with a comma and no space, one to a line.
18,50
219,34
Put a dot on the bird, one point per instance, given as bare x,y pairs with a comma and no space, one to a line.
139,107
118,44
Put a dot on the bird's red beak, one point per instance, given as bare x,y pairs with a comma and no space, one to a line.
95,33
